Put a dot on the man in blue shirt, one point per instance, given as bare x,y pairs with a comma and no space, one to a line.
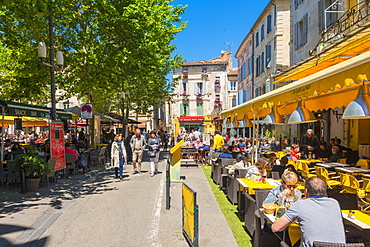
319,217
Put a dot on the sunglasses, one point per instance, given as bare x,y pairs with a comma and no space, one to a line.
290,186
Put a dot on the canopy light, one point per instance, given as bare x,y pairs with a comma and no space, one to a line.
301,115
274,117
359,108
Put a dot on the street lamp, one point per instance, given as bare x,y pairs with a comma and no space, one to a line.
60,61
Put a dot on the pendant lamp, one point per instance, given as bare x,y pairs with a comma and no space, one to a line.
274,117
301,115
359,108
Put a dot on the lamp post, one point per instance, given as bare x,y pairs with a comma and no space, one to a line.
60,61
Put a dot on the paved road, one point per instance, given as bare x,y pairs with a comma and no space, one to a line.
104,211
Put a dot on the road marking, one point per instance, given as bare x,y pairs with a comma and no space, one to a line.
157,213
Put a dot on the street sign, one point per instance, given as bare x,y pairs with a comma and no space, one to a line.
87,111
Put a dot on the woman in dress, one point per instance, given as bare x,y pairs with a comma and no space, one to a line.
118,155
154,144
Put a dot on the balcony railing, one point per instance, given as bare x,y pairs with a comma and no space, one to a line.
352,20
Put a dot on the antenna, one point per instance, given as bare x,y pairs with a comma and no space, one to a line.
228,45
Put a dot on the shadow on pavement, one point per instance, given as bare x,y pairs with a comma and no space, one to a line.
6,229
60,191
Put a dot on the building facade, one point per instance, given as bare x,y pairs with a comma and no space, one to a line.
201,93
271,44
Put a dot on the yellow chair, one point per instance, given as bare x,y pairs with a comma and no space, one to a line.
363,163
342,161
293,163
322,173
366,200
306,171
351,185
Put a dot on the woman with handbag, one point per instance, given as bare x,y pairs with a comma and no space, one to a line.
154,144
118,155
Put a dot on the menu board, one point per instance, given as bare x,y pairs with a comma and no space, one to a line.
57,144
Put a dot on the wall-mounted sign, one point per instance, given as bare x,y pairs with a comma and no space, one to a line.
87,111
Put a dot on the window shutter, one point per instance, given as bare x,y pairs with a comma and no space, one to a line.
204,88
181,88
181,109
263,62
187,110
295,3
200,109
296,36
262,32
195,88
321,15
244,70
269,23
305,29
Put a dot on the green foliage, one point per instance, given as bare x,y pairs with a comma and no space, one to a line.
34,165
109,47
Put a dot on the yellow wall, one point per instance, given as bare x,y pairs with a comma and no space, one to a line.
358,132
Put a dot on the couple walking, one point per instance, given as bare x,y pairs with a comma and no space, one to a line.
138,143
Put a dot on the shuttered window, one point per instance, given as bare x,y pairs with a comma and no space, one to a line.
200,109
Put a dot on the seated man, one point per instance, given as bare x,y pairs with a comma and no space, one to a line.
225,153
272,160
336,155
282,167
319,217
288,187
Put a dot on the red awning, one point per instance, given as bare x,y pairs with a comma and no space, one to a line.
192,118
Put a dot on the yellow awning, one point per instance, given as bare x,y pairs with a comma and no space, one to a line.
26,121
332,87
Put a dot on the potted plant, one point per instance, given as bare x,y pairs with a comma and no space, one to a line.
34,167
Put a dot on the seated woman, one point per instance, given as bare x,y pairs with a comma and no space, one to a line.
324,151
288,187
241,163
225,153
258,169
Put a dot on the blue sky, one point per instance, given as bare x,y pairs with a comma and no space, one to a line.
212,23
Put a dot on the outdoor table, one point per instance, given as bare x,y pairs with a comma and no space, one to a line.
332,165
251,184
353,170
294,230
360,221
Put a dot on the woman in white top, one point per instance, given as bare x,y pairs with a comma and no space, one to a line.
258,169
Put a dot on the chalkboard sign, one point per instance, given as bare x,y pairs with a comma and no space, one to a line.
18,123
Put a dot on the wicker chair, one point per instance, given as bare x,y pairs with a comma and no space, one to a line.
327,244
51,165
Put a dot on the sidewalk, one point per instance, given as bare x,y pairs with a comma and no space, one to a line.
213,227
26,210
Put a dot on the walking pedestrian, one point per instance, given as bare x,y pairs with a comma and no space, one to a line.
109,137
128,147
154,144
138,143
118,155
165,141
